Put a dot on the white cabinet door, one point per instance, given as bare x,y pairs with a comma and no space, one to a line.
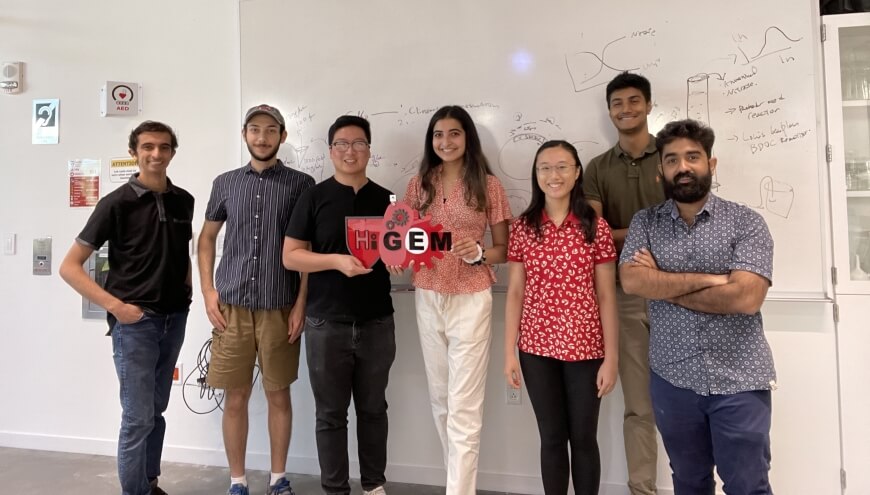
854,349
847,82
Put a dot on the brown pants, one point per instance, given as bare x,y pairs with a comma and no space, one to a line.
638,428
251,336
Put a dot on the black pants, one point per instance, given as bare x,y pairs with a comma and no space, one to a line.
565,399
347,359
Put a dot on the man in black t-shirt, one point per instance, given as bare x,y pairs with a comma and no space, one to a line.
147,223
349,329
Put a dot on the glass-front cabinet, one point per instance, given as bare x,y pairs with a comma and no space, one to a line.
847,79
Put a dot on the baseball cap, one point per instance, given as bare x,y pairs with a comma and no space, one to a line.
265,110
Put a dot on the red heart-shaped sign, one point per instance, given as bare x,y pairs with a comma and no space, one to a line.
363,238
123,96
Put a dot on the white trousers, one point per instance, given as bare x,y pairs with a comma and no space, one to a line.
455,333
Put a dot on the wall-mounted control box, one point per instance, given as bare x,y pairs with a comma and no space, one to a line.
97,267
42,256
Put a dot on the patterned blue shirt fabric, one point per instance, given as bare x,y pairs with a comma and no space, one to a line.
256,208
707,353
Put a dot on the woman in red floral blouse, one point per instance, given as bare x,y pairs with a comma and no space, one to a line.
561,314
453,297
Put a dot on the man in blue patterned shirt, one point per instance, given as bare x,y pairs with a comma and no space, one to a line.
706,265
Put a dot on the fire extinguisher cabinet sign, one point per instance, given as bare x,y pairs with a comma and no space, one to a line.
120,98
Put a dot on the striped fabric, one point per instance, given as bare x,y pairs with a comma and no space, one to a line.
256,209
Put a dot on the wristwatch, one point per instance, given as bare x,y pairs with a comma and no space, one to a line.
481,256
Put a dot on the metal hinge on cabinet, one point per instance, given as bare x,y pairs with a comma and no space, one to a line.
843,479
836,313
824,33
829,153
834,275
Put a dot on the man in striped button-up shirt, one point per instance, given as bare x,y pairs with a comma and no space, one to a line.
255,305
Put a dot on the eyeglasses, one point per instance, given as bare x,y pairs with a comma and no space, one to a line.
559,169
343,146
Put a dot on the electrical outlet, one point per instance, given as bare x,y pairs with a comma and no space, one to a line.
177,375
513,396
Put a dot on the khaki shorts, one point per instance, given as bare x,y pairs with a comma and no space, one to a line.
253,335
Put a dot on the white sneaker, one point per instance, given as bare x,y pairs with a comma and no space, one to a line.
377,491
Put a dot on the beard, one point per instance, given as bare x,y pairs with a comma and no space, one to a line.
688,192
266,157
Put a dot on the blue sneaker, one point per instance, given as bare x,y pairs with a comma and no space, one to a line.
237,489
281,487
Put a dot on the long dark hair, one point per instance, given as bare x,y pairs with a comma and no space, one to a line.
476,168
579,207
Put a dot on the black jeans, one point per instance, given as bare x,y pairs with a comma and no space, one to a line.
565,399
350,359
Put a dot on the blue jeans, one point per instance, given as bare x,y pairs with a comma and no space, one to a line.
350,359
731,432
145,353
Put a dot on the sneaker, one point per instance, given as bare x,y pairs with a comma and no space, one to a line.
281,487
237,489
377,491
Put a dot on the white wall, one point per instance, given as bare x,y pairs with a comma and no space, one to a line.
58,371
58,385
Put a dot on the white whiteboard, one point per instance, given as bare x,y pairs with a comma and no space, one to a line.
532,71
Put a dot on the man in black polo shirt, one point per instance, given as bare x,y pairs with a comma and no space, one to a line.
255,305
349,330
147,223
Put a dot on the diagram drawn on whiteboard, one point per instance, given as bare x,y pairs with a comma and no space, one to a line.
775,41
776,196
310,158
516,154
698,96
636,51
588,70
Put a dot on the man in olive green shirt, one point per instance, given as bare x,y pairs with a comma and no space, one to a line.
618,183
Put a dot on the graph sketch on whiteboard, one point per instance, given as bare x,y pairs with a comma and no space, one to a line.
588,70
775,41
